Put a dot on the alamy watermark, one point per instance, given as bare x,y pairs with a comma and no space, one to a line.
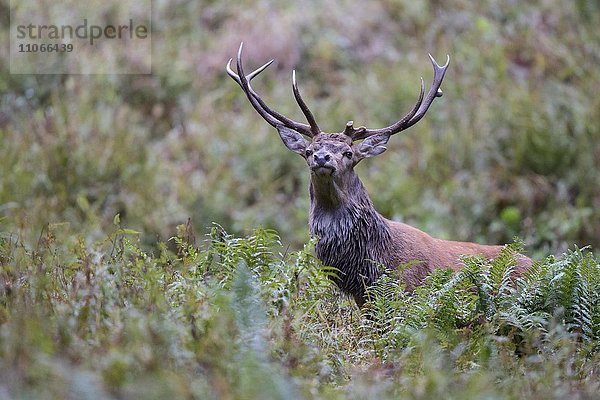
109,37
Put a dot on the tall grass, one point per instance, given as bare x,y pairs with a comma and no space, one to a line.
234,317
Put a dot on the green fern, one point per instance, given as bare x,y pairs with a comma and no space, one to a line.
564,288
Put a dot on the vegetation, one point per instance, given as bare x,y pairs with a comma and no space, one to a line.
511,149
134,306
235,319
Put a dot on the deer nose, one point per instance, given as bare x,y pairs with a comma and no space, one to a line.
321,159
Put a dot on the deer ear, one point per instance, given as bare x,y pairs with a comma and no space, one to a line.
372,146
293,140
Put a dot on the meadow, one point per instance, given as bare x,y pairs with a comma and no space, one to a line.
153,229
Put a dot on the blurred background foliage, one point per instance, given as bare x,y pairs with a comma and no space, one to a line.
513,147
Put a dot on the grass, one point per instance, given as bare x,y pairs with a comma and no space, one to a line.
234,317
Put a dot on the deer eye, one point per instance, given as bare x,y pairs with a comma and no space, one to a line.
348,154
308,152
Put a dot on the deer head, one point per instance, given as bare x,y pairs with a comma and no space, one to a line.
331,154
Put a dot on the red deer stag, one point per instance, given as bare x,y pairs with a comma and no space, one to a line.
352,236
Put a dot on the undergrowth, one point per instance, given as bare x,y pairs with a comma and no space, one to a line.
240,317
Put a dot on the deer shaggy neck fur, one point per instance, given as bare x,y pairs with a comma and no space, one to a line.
352,236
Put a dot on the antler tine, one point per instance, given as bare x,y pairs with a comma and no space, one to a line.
417,112
309,116
271,116
245,85
250,93
250,76
434,91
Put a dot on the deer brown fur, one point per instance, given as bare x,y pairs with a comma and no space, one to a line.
352,236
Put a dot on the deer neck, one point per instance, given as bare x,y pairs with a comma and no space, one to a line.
339,203
329,193
352,236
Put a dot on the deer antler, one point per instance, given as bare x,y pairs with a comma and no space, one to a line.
414,115
271,116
